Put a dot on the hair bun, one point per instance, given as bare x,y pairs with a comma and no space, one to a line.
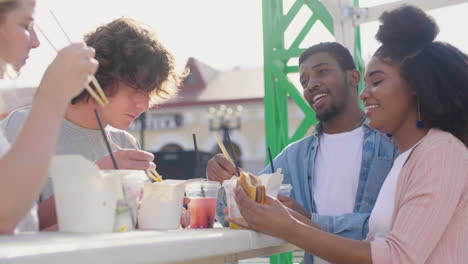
406,25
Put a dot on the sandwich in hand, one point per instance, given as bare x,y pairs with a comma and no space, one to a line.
253,187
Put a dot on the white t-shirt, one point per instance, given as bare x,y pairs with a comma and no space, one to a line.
4,145
380,220
336,173
30,222
10,99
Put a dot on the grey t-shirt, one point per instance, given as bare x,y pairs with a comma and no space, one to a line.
72,139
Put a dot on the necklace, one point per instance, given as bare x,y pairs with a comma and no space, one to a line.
360,122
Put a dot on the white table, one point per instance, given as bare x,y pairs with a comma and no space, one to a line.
217,245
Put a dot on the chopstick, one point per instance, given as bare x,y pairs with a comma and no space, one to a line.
103,100
87,87
222,147
152,173
233,153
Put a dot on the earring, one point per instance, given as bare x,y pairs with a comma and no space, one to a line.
419,123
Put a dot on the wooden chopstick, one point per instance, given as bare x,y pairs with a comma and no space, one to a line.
102,101
155,175
152,173
87,87
222,147
94,95
99,89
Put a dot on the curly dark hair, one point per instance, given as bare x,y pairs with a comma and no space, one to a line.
436,71
128,52
335,49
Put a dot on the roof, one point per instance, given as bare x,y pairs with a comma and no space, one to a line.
206,85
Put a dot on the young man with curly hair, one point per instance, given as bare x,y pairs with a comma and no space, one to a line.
135,71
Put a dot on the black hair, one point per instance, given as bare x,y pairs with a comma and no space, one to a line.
335,49
436,71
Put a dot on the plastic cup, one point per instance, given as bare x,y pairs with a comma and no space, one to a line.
202,204
233,208
132,181
161,205
285,190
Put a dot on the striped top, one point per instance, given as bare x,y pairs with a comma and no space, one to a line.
430,218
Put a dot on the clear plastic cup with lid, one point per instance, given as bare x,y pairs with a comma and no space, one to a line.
202,204
233,208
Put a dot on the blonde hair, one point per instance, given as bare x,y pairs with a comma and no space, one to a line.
6,71
6,6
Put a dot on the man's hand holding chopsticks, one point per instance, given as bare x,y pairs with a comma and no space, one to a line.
220,168
128,159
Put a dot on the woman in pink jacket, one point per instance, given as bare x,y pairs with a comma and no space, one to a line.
417,92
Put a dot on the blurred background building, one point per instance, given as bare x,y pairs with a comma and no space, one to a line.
209,101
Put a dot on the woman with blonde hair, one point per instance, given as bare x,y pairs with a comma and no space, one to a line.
24,165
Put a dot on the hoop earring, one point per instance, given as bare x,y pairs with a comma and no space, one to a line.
419,123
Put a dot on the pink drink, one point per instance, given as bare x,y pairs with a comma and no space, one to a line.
202,212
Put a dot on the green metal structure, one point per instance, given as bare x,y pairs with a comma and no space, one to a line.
277,60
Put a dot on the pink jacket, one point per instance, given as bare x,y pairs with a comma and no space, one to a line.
430,219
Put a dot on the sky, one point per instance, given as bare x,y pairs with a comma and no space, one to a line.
224,34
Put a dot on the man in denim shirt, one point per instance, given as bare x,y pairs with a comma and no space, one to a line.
337,172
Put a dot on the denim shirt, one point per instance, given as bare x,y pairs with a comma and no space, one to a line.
297,162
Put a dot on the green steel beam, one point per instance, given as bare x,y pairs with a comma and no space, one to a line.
305,30
276,56
321,11
284,54
358,52
278,89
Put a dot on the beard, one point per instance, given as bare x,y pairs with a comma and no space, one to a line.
337,108
330,113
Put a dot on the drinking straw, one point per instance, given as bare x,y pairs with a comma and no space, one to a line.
114,162
101,127
271,160
197,162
